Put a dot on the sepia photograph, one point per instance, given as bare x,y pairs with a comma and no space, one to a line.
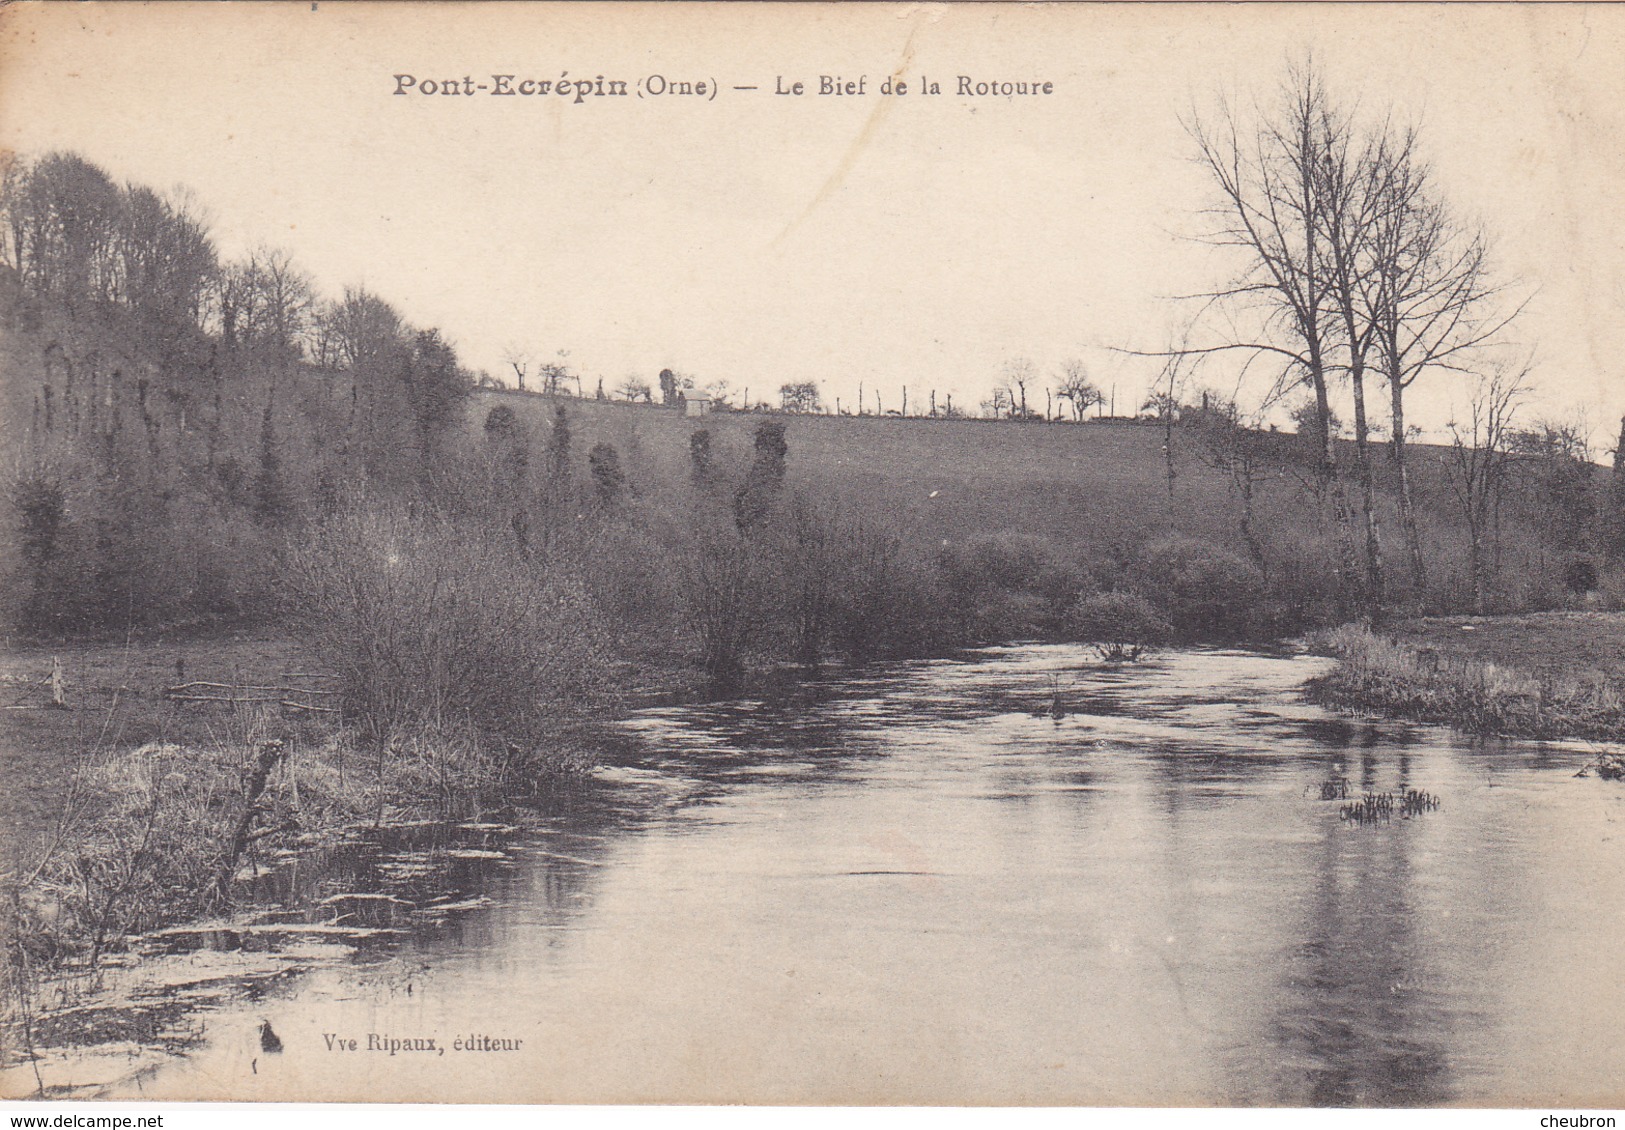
813,555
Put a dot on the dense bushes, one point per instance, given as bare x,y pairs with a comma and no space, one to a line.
435,622
179,416
1121,625
1206,591
791,577
1008,585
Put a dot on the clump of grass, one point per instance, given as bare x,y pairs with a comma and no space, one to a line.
1334,788
160,836
168,827
460,771
1415,802
1373,808
1369,809
1379,675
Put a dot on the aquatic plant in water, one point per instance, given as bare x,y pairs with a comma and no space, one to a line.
1375,808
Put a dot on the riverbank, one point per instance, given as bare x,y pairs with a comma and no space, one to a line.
1547,676
133,809
115,701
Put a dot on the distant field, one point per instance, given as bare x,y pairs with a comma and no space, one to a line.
1094,486
1089,484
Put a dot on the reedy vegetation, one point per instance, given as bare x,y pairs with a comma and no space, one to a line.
1380,675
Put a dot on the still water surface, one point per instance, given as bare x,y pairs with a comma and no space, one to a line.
920,886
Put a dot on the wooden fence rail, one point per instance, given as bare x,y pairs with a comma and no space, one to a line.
245,694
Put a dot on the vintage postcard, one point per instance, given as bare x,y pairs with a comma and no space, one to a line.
971,554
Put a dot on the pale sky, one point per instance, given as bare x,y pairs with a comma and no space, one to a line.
918,240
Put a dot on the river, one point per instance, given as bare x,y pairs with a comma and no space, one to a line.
1016,877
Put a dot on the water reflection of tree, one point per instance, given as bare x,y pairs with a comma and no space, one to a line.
1357,1022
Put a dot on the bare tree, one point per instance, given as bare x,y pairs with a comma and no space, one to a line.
720,392
359,329
266,303
1019,372
1552,461
518,359
166,257
801,396
1476,464
554,374
62,221
288,298
1238,445
635,389
1430,301
1350,175
1077,389
1271,209
1163,400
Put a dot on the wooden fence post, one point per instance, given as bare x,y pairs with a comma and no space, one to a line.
58,701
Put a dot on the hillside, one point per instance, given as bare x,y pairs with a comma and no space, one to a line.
1100,488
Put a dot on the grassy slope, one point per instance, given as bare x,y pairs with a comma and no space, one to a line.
1093,486
1097,488
1088,485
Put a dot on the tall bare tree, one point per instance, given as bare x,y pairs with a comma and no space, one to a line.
1477,463
1350,174
1271,209
1077,389
1430,300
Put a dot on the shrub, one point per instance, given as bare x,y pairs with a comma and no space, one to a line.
430,622
894,608
1002,615
1009,585
1207,591
1121,625
607,477
1013,562
1611,587
722,582
1303,587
